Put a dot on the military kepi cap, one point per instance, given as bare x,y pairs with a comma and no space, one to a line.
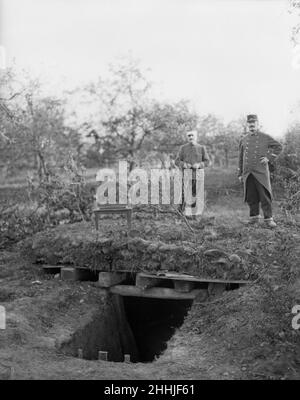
252,117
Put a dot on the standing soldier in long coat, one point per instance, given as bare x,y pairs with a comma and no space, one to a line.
256,151
193,156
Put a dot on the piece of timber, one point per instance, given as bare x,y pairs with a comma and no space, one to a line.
154,292
51,269
77,274
146,282
127,358
80,353
69,274
108,279
102,355
183,286
113,209
191,278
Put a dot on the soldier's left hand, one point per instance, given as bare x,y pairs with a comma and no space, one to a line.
264,160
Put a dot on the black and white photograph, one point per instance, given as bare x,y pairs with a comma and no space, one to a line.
150,193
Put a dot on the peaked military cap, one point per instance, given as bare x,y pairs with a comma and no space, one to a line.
252,117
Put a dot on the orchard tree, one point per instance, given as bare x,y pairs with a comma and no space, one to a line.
8,94
35,124
169,123
231,137
290,156
119,125
127,120
220,138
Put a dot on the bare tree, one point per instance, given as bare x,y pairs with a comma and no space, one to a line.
35,126
128,120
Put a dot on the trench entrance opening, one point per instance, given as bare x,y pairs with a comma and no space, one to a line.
129,327
138,327
153,322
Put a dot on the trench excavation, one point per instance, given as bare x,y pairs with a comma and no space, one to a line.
145,288
135,326
128,327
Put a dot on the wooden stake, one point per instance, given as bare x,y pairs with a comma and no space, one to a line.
102,355
12,373
127,358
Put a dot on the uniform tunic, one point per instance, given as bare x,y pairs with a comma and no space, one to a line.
193,154
252,148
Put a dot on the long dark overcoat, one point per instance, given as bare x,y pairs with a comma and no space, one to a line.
251,148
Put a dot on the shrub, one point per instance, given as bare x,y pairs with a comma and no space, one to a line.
287,175
61,196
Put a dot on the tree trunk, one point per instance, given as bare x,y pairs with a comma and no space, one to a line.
226,151
41,167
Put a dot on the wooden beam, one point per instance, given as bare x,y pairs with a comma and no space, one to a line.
69,274
146,282
113,209
108,279
77,274
51,269
191,278
183,286
154,292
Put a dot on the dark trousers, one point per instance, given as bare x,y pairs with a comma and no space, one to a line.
256,193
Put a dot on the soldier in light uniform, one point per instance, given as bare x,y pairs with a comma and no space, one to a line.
256,150
194,156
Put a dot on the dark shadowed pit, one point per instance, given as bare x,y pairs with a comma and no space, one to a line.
153,322
139,327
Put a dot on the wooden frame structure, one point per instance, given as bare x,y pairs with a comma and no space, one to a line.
113,209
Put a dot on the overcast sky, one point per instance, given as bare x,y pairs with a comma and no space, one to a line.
229,57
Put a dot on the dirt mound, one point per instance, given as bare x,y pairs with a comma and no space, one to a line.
250,330
151,246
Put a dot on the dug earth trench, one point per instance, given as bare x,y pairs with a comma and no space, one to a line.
244,333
